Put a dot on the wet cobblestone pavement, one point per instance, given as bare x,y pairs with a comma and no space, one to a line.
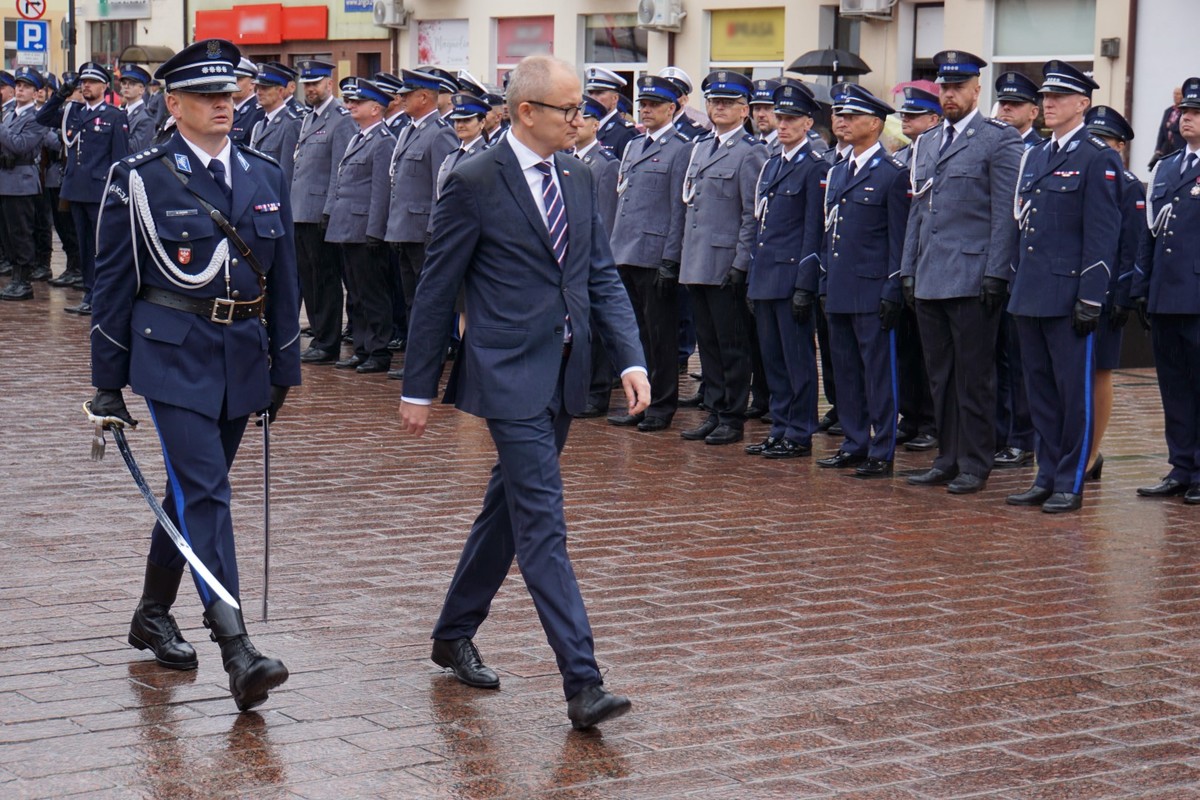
783,632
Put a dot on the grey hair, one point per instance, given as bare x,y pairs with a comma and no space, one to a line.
533,79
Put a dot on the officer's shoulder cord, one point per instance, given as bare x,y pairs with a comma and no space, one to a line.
1156,223
141,204
1021,212
68,142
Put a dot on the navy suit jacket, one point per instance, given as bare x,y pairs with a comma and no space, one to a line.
490,238
1170,254
790,213
98,139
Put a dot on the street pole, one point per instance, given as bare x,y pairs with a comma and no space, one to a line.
70,35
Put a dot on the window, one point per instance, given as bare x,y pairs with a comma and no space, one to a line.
928,39
1031,32
749,41
110,38
613,39
517,37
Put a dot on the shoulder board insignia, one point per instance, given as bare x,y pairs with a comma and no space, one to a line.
245,148
441,122
145,155
752,139
998,123
626,123
1129,176
291,114
816,156
897,163
607,154
679,135
1098,142
345,112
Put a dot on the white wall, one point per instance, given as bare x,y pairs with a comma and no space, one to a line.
1165,56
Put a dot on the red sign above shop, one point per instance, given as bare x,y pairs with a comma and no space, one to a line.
264,23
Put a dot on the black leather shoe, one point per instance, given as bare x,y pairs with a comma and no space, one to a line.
840,460
1097,469
692,400
1012,457
372,365
462,658
1033,496
396,374
83,309
756,412
41,273
315,355
704,429
251,674
1062,502
1192,496
786,448
66,278
397,344
594,705
153,628
836,429
874,468
591,411
966,483
724,434
347,335
763,446
1167,487
921,443
933,477
626,420
17,290
350,363
828,421
654,424
903,436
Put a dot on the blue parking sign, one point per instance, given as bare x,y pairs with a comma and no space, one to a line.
32,36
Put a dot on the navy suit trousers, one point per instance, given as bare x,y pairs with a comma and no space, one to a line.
1014,428
790,363
1176,340
85,215
522,516
864,365
198,452
1059,368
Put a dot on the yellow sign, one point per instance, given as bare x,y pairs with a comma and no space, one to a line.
747,34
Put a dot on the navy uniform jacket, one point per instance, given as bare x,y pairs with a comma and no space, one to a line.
454,159
141,128
414,167
492,240
719,229
360,190
319,147
399,123
689,128
790,213
1031,138
21,141
244,119
650,209
616,132
52,141
94,140
277,138
604,166
178,357
1070,227
1131,196
960,228
865,221
1170,268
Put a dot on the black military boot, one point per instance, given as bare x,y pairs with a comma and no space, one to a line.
251,674
153,627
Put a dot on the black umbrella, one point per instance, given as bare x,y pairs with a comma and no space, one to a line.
830,61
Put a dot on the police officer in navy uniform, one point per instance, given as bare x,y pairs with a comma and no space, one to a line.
132,84
1067,209
866,213
1165,291
21,139
64,226
324,133
762,113
246,110
1017,104
784,272
688,121
277,132
615,131
394,116
95,135
358,220
206,335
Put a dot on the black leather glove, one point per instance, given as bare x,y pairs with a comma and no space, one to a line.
1139,305
278,395
734,278
66,89
993,293
889,314
323,225
1117,317
110,403
802,306
908,287
823,304
666,280
1085,318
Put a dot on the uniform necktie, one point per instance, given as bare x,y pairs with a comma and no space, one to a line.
1054,148
716,145
556,212
354,140
217,169
853,167
949,140
646,144
1189,163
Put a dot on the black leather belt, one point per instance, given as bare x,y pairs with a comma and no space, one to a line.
214,309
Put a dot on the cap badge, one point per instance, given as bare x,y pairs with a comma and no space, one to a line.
214,49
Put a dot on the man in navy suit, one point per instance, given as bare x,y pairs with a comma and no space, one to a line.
517,229
207,335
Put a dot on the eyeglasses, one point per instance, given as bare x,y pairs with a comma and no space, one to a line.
570,113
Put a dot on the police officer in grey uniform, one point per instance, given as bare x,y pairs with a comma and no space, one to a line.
141,122
718,235
958,254
420,150
322,141
762,113
20,186
275,135
615,131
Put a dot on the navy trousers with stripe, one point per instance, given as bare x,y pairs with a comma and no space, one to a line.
1176,339
864,366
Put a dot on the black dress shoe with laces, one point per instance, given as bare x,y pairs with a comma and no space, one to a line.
626,420
462,658
1033,496
654,424
828,421
82,310
763,446
315,355
1062,502
701,431
966,483
786,448
840,460
1167,487
933,477
724,434
692,400
1192,495
874,468
396,374
595,704
1012,457
350,363
372,365
921,443
590,411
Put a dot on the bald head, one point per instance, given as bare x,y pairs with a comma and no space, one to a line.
544,96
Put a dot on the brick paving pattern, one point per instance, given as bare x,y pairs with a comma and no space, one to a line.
784,632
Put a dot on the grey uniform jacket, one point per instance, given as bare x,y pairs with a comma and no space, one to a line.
319,147
141,128
21,141
604,166
52,142
420,151
719,228
960,226
360,189
650,209
277,138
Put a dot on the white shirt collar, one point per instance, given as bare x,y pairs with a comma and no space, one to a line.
725,137
1066,139
525,157
270,116
962,124
20,109
370,128
772,137
608,116
865,157
661,132
464,146
797,148
85,105
581,153
204,158
319,110
134,106
390,120
248,98
417,123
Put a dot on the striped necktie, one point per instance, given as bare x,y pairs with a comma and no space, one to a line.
556,212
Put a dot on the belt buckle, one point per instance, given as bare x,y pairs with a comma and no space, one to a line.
222,317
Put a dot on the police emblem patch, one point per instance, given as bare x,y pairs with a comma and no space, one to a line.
182,163
214,49
185,255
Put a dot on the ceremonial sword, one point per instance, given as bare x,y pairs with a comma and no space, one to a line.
266,426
